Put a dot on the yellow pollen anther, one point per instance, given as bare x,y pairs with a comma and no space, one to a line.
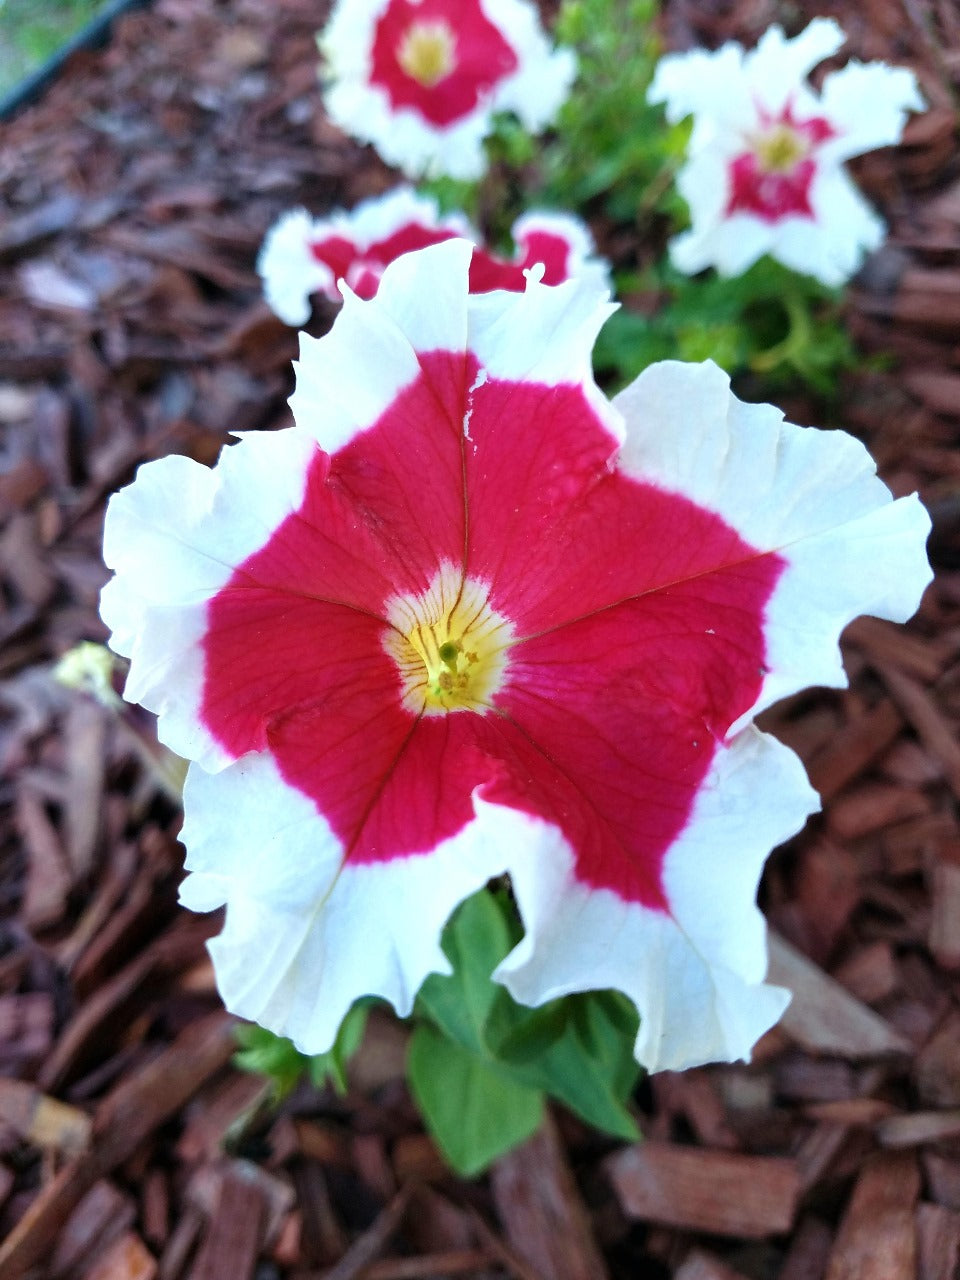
450,647
779,149
427,52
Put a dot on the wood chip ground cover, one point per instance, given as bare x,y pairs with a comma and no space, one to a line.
136,194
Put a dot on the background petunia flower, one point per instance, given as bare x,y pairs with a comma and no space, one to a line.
469,618
421,79
764,170
303,255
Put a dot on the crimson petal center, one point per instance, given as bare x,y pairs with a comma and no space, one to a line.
633,632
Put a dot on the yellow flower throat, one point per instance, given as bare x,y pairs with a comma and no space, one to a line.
427,52
780,149
450,647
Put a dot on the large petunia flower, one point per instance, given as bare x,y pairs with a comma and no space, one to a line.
469,618
764,170
421,79
303,255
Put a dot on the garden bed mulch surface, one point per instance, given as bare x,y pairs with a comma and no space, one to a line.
136,195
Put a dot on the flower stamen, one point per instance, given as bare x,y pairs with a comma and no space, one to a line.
427,52
779,149
449,645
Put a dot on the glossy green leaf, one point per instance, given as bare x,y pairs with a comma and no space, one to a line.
474,1112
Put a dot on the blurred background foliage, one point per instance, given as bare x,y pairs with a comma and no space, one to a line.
32,30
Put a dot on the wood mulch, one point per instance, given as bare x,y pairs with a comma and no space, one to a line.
136,194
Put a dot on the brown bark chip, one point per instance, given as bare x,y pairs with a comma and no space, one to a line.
709,1191
127,1259
542,1211
938,1242
822,1016
877,1239
232,1242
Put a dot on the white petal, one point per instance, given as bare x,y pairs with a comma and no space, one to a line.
731,245
542,81
261,837
544,335
703,84
380,217
289,271
695,975
173,539
867,103
778,66
849,549
831,245
348,378
297,967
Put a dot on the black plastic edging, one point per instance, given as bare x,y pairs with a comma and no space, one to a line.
94,35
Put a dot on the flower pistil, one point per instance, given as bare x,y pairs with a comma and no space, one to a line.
449,645
427,52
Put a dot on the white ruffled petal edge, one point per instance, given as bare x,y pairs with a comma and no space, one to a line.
347,379
812,496
541,83
295,956
289,271
868,104
779,65
300,947
831,246
696,975
173,539
705,84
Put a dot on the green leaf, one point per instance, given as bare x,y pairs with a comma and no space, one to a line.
476,939
263,1053
266,1054
332,1065
474,1112
580,1051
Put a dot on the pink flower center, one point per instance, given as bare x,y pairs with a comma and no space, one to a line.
772,177
440,58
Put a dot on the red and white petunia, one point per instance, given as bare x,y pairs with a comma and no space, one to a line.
469,618
303,255
765,163
421,79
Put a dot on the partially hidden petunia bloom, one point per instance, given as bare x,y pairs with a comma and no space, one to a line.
422,79
765,163
469,618
303,255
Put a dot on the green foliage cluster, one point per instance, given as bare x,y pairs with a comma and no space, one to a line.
480,1065
610,147
769,321
267,1054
